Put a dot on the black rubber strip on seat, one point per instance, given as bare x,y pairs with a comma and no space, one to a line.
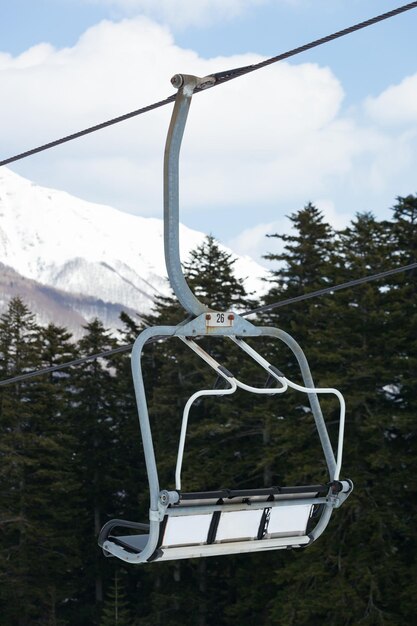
263,525
214,524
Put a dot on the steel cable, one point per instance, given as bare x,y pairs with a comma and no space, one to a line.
262,309
326,290
221,77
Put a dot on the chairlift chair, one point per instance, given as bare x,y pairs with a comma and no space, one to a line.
226,521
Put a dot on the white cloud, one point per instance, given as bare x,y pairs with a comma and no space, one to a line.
395,106
394,113
183,13
275,138
246,140
253,241
336,219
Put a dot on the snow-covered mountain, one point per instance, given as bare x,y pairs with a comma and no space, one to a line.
94,258
53,305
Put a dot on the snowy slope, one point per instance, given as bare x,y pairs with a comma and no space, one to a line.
88,249
71,311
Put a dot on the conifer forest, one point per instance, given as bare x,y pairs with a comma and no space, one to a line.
71,455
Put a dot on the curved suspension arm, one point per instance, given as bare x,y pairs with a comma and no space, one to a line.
186,85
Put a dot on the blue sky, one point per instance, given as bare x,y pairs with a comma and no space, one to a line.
336,126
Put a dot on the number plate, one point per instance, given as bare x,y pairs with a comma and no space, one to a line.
215,319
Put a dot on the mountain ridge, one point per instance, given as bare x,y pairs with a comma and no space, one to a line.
91,256
71,311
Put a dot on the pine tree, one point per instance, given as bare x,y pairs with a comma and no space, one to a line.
94,421
350,347
70,452
399,392
129,462
19,347
62,500
36,480
305,263
211,277
352,576
116,610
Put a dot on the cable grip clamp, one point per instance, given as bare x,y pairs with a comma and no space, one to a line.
189,83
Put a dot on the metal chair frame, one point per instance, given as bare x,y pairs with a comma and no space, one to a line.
211,508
